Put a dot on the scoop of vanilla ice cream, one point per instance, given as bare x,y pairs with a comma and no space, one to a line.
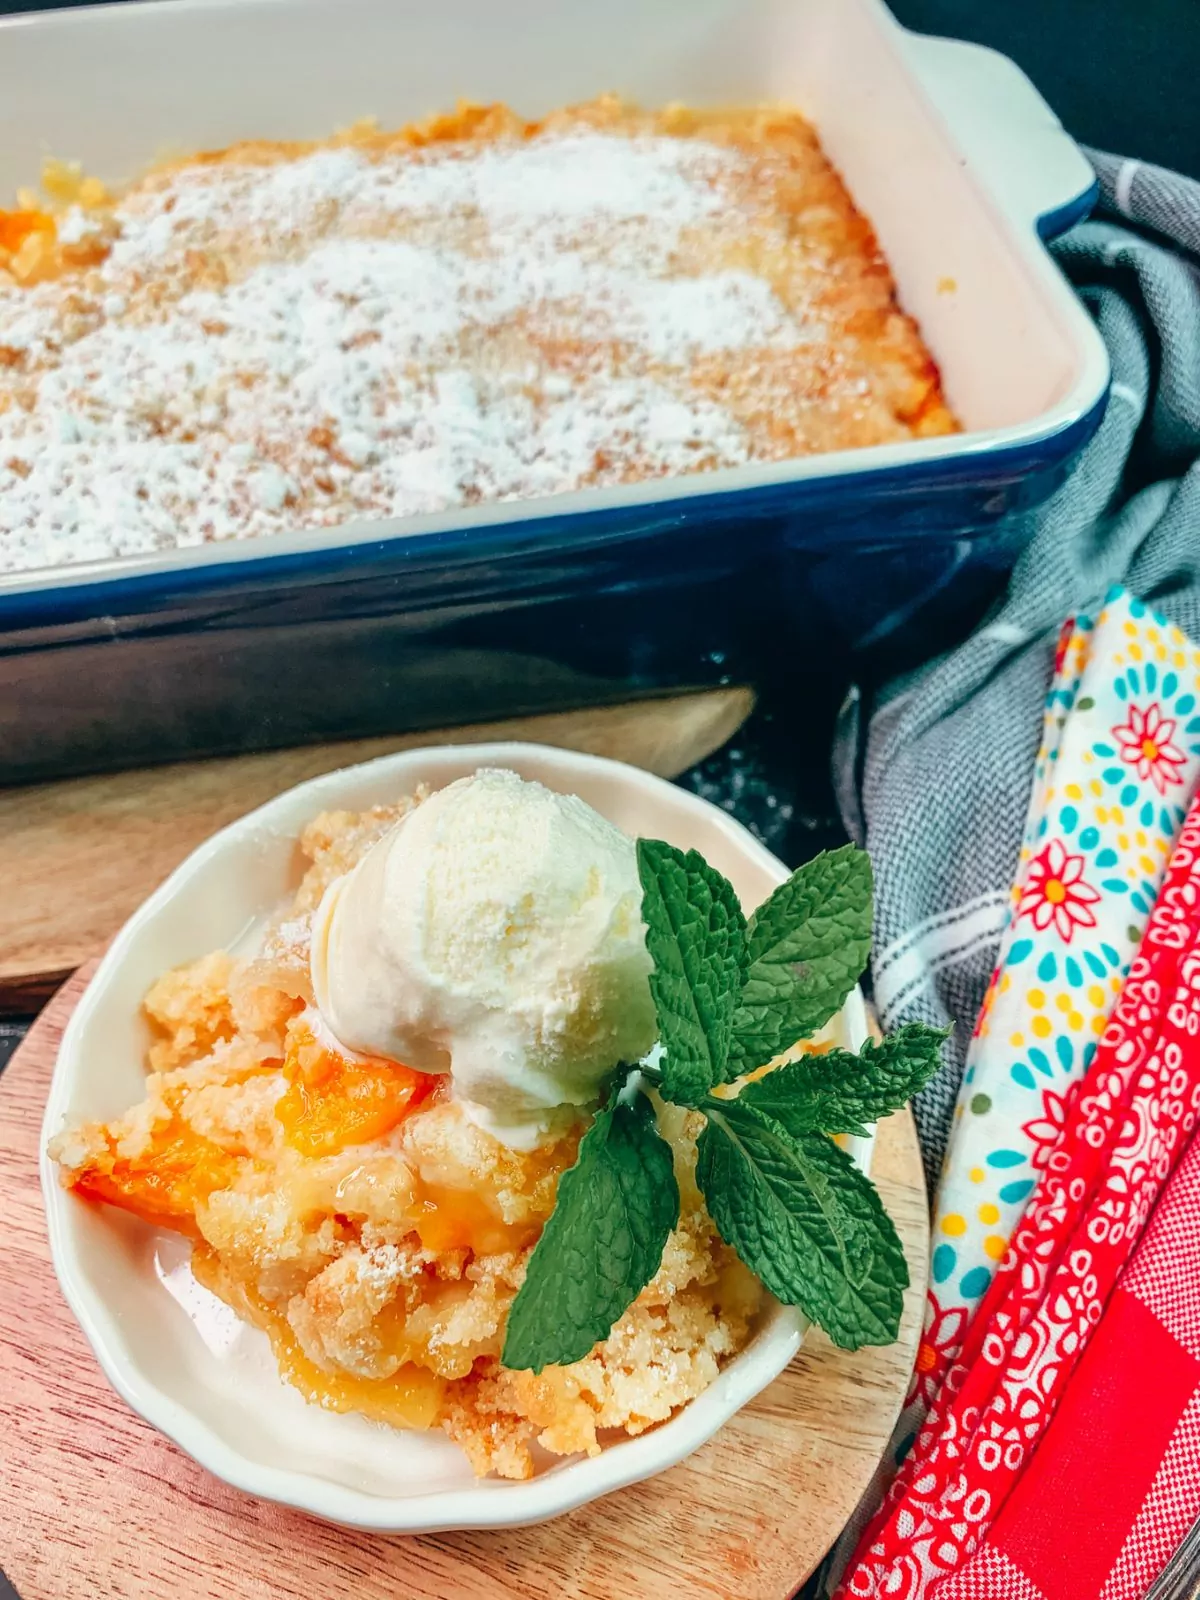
495,933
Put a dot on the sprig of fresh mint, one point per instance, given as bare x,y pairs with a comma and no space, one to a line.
805,1220
807,947
840,1092
696,933
730,997
604,1241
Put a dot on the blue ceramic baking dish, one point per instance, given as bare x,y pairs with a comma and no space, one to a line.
591,596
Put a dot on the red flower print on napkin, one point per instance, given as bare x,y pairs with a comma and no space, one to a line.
1045,1131
1145,743
1055,891
940,1343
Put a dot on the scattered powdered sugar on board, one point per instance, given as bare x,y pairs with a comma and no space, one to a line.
344,335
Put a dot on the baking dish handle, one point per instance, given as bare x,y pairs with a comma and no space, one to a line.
1007,132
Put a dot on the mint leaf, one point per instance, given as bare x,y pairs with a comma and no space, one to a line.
805,1220
807,946
840,1092
774,1144
696,935
603,1242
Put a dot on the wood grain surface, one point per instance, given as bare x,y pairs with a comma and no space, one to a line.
77,857
97,1504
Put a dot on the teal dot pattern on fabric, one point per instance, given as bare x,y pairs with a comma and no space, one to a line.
945,1258
1012,1192
974,1283
1037,1066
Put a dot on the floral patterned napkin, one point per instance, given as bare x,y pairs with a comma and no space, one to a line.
1125,1130
1120,758
1118,764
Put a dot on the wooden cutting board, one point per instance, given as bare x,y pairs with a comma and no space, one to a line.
96,1503
77,857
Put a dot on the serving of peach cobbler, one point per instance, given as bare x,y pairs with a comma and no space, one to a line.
507,1120
361,1211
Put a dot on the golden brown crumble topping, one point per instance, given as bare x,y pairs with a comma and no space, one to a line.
379,1237
275,337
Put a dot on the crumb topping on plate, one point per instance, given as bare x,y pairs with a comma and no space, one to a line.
372,1231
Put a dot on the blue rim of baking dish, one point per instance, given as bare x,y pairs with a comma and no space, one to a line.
551,531
1052,223
48,595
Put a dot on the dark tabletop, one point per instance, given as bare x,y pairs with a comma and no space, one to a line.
1121,74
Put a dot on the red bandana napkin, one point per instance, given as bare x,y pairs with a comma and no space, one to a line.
1123,1132
1115,1484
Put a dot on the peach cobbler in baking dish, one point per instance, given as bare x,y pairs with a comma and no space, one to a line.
507,1120
277,337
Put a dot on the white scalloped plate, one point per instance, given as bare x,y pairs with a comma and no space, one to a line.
178,1355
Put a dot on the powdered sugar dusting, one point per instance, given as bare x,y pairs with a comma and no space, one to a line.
281,344
383,1266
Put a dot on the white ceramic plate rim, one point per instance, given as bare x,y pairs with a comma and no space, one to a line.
488,1504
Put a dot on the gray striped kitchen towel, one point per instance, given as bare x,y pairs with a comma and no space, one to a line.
965,727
